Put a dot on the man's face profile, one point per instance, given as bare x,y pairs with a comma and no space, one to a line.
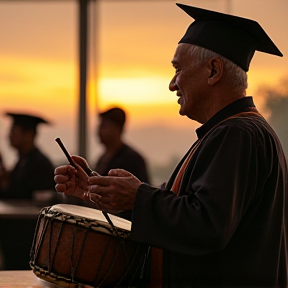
188,82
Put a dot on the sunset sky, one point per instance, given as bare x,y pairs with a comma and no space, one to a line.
130,51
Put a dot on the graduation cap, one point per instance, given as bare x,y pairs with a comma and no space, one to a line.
233,37
26,121
115,114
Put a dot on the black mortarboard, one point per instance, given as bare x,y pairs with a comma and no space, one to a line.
26,121
233,37
117,115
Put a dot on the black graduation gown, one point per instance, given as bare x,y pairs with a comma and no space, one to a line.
33,172
227,226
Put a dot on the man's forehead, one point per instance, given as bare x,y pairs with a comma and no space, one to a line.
181,53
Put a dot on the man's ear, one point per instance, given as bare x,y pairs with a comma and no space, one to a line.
216,67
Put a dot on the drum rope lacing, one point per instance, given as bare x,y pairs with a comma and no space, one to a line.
54,215
78,260
131,264
50,263
111,266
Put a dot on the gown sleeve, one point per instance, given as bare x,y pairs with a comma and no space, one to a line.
227,175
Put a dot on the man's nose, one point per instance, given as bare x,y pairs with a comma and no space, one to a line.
172,85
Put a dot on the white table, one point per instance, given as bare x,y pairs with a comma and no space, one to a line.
23,279
27,279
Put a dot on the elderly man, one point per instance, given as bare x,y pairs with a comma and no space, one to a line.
220,220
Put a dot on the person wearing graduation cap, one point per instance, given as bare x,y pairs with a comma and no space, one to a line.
33,172
221,219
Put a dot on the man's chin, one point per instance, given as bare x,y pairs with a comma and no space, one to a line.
181,112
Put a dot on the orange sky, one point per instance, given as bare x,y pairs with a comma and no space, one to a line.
135,44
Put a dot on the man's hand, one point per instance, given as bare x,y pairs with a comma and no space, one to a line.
115,192
71,181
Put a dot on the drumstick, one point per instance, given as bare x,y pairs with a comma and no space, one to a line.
87,170
110,222
68,156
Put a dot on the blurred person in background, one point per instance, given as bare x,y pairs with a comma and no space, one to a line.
117,153
29,183
33,172
221,220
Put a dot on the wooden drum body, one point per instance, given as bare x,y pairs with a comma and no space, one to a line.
75,244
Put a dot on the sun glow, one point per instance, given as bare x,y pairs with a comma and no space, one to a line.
37,83
152,90
147,100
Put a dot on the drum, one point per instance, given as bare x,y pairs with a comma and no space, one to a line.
75,244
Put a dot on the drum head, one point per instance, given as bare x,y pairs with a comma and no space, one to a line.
92,214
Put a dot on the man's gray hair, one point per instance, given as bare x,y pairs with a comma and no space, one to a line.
236,75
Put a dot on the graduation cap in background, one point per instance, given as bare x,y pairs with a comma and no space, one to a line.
26,121
233,37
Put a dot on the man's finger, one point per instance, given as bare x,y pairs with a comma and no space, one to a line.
61,179
119,173
65,169
100,190
94,197
60,188
100,180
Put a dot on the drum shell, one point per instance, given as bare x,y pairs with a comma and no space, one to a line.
64,252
